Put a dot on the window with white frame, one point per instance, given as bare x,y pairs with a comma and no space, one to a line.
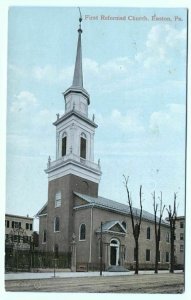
148,233
56,224
82,232
64,143
58,199
83,146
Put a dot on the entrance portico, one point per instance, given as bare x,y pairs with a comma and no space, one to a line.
114,252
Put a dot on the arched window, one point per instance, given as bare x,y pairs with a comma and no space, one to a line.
44,236
64,143
148,233
82,232
83,146
56,224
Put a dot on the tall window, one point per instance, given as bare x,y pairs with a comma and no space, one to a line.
181,236
148,254
64,141
44,236
58,199
181,248
83,146
56,224
82,232
148,233
168,237
181,225
7,223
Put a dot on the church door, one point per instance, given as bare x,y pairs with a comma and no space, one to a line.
114,252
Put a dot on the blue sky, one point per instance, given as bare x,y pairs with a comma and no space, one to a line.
135,73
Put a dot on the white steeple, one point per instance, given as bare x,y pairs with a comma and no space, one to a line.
75,131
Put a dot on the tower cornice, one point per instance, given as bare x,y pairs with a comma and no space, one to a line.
77,114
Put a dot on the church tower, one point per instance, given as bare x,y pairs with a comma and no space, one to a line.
74,169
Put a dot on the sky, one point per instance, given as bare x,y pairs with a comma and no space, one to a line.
135,73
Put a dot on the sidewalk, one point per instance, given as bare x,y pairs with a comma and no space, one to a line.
23,276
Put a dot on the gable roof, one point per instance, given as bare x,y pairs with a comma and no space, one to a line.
111,226
42,211
108,204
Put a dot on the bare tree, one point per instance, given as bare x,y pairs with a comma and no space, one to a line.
136,225
157,227
172,214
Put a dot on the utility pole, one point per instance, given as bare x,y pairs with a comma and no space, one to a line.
101,254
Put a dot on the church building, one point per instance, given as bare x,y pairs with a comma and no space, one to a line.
71,219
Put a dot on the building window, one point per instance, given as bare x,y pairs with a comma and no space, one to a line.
148,254
181,225
30,226
7,223
27,226
56,224
167,257
181,236
44,236
64,142
83,146
181,248
168,237
148,233
16,224
82,232
58,199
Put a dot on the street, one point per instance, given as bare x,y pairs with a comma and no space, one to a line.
155,283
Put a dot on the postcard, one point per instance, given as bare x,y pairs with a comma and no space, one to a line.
96,157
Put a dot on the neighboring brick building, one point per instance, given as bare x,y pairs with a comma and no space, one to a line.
18,231
179,241
73,214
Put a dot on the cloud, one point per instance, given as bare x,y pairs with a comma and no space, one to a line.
129,122
23,101
52,74
162,46
173,119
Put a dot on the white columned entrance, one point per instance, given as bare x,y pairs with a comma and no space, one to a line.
114,252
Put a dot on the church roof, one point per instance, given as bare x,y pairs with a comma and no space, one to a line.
42,211
105,203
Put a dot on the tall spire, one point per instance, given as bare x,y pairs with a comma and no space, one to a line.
77,84
78,74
